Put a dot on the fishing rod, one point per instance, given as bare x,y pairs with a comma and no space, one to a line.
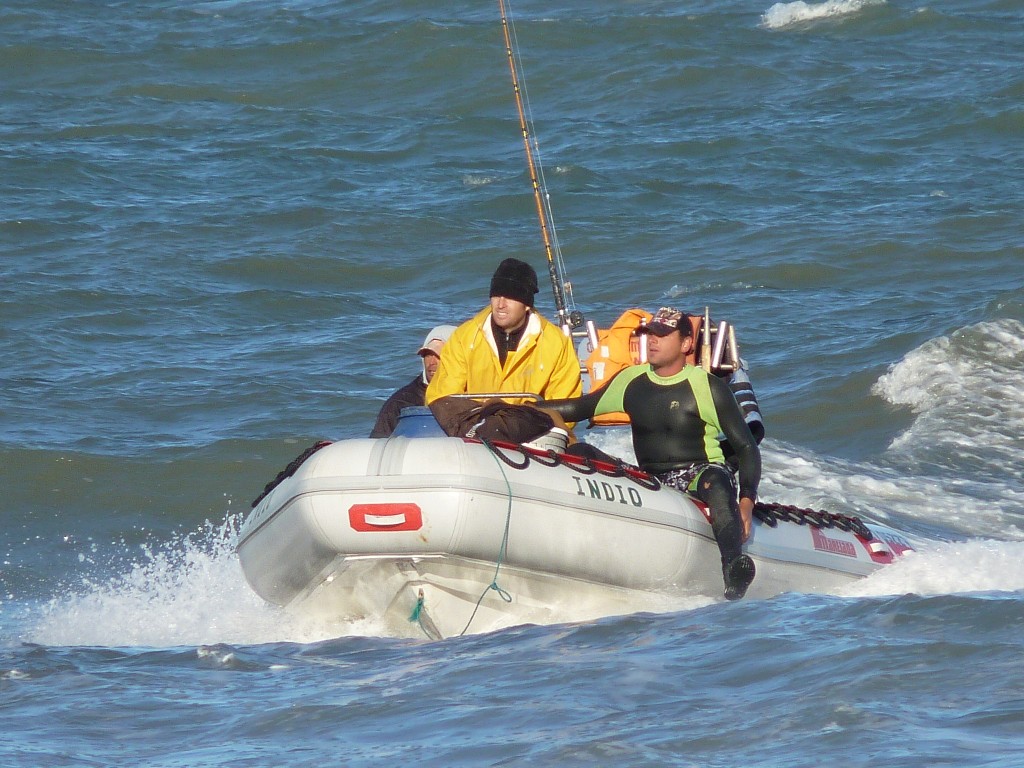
568,316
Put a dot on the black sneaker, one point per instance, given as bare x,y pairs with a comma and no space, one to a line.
738,575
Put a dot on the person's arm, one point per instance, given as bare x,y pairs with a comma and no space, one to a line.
739,383
748,456
573,409
607,399
387,419
743,390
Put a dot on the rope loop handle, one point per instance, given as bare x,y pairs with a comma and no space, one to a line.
650,482
771,513
500,454
548,458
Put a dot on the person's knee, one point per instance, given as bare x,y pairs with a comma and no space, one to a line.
714,488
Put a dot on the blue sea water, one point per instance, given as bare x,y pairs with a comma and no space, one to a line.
226,226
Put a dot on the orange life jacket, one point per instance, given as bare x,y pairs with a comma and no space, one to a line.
617,348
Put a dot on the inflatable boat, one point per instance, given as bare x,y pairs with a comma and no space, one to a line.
442,536
445,536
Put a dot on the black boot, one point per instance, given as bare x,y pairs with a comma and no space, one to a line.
738,574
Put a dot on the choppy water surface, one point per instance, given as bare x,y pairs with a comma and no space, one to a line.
227,225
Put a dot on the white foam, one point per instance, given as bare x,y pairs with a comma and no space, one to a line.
991,559
783,15
948,568
946,509
187,592
964,389
477,180
617,441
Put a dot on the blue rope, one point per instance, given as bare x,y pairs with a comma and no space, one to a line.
417,617
416,613
504,545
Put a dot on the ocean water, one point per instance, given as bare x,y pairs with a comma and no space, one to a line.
226,226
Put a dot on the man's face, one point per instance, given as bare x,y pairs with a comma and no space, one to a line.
667,351
508,314
430,363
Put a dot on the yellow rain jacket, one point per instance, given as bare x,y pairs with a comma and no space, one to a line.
545,362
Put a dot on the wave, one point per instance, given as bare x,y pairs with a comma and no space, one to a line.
925,507
955,472
783,15
963,390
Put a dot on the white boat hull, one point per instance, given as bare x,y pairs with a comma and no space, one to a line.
442,531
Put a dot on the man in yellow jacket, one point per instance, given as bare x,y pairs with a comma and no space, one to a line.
508,347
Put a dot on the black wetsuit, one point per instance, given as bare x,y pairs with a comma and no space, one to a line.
677,422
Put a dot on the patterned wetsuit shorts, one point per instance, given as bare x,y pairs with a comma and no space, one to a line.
684,478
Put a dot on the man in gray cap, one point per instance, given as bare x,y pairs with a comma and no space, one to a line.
413,393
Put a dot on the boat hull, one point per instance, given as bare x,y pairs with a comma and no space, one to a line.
464,537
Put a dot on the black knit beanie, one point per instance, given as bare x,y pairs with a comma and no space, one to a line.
515,279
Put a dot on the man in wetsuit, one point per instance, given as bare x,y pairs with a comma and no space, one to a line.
677,412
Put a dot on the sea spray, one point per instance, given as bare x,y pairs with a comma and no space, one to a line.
948,568
189,590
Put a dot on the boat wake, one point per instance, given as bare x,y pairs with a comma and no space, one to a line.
948,568
191,592
188,591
